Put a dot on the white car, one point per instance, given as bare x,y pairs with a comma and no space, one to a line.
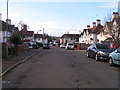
62,46
70,46
114,57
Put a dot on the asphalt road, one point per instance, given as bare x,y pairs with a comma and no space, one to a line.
60,68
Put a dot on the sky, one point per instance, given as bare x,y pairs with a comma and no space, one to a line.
58,18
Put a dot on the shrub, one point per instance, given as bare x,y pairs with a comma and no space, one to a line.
16,39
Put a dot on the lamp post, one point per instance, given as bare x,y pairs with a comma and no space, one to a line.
7,9
6,36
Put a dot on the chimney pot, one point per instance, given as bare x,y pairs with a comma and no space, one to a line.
115,15
98,21
88,26
8,21
94,24
25,27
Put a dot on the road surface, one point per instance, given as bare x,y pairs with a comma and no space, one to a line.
60,68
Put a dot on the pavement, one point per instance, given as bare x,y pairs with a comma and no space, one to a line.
14,60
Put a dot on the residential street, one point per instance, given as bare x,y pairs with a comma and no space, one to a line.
60,68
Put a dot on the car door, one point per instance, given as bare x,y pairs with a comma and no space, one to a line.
92,50
115,55
118,53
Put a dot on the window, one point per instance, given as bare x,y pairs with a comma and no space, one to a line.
101,46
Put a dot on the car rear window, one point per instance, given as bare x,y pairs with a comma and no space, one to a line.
46,44
101,46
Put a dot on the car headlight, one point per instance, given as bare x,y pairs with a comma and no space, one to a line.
102,53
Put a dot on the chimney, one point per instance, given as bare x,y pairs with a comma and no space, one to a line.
88,26
115,15
94,24
8,21
0,16
67,32
25,27
98,21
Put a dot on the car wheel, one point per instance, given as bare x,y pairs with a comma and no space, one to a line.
111,62
87,54
97,57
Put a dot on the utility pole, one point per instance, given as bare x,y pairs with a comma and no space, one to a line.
43,35
7,23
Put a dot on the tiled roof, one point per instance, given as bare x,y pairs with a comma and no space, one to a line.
108,25
3,26
97,29
38,35
71,36
26,33
119,20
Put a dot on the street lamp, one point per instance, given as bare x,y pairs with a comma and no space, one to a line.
7,22
7,9
43,34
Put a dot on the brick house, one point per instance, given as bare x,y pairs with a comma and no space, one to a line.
27,35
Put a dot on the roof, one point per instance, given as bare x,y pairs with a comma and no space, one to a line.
108,25
85,31
38,35
27,33
118,20
3,26
97,29
71,36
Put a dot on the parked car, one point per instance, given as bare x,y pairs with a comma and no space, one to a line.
33,44
98,51
46,46
62,46
114,57
70,46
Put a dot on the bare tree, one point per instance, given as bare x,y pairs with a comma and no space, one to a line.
114,28
20,25
115,33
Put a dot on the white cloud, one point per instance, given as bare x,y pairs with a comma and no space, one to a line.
110,5
53,28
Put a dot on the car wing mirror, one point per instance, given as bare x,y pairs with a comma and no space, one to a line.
117,51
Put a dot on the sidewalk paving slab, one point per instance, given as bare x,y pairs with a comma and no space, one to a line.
14,59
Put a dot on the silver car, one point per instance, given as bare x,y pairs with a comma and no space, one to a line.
70,46
114,57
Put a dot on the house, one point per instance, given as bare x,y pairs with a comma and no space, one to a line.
6,30
85,35
95,31
90,34
69,38
115,28
110,30
27,35
40,38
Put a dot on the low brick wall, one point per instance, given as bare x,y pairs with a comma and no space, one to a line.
20,48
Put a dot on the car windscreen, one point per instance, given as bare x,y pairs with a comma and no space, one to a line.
118,49
101,46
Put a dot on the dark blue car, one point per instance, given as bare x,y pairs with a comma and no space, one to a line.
98,51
